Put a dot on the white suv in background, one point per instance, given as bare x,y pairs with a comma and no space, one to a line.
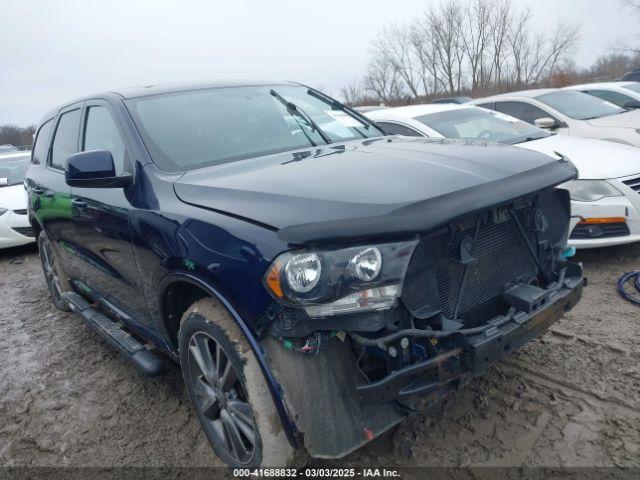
14,223
605,200
569,112
623,94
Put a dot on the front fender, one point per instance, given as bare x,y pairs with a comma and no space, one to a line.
274,387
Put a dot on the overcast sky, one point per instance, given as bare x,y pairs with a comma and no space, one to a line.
55,50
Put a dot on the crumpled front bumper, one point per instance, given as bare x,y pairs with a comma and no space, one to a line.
438,375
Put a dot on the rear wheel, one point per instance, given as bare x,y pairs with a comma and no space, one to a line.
56,279
228,392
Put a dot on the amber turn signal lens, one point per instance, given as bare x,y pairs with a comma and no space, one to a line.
595,221
273,279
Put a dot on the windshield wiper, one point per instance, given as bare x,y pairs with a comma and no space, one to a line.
366,123
292,108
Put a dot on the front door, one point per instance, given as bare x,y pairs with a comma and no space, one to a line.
101,220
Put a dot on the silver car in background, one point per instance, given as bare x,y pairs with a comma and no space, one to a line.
569,112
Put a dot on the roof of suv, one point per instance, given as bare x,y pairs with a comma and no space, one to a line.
148,90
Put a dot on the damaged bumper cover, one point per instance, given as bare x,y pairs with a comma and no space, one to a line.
438,375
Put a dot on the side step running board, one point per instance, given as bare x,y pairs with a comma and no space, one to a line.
145,361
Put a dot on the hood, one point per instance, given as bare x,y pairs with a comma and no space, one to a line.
629,119
13,197
371,181
594,159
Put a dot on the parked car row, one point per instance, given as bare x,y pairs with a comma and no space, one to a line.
595,126
15,228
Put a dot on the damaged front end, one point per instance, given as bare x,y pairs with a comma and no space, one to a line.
362,330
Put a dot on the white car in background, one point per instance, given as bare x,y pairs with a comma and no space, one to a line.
623,94
605,200
14,223
569,112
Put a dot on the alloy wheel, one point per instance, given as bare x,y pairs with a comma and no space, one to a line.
221,398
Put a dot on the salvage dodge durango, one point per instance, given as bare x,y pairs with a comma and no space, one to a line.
315,279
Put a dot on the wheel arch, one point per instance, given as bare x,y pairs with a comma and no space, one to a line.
35,224
180,282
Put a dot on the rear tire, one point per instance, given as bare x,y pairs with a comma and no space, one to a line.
228,392
57,281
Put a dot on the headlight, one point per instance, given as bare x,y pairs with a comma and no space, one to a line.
3,211
590,190
303,272
333,282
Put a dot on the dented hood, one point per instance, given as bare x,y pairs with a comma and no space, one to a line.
370,188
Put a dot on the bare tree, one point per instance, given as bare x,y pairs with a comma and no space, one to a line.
501,21
476,38
467,45
394,44
425,52
633,4
352,93
382,80
445,24
564,39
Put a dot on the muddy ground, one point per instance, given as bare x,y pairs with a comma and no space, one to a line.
570,398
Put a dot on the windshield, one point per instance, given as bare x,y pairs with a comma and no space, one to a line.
481,124
13,169
578,105
634,87
197,128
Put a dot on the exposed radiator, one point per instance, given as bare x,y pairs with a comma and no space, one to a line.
501,257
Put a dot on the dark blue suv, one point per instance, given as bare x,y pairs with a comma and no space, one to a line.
315,279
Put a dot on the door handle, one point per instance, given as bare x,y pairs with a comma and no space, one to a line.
76,202
38,191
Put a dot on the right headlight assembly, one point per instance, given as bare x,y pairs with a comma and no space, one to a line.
335,282
590,190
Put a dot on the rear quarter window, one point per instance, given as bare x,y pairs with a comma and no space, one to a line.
41,145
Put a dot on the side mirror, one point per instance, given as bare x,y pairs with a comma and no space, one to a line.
94,169
632,105
545,122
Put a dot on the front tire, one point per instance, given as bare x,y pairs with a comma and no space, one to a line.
57,281
228,392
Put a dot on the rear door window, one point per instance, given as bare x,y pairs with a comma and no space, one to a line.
65,142
41,146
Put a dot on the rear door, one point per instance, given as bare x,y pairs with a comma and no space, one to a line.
101,218
49,194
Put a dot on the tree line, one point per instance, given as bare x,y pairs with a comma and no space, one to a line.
17,136
471,47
